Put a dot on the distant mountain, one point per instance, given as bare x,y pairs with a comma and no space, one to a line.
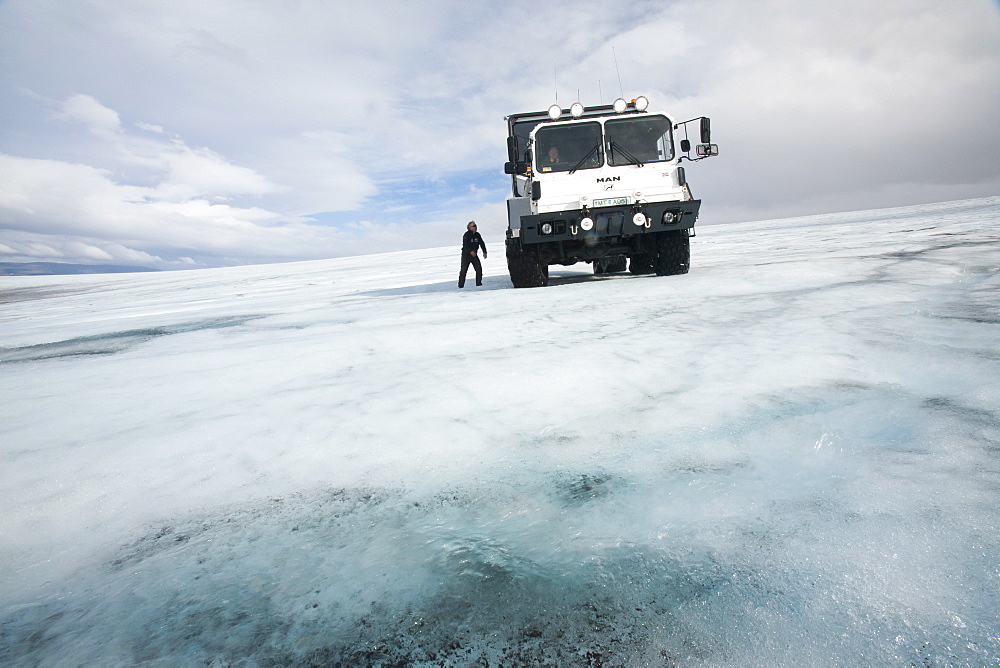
62,268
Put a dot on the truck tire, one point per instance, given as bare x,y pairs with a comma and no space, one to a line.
609,265
641,263
526,270
674,254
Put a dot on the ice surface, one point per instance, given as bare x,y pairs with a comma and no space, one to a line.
788,456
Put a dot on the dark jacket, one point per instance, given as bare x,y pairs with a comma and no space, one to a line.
471,241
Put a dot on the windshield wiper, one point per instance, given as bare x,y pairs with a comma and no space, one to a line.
632,159
585,158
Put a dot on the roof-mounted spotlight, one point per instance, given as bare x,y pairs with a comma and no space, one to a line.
620,105
641,103
555,112
576,111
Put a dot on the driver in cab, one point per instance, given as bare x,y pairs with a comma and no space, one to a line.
552,159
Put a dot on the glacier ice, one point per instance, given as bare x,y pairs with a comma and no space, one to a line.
788,456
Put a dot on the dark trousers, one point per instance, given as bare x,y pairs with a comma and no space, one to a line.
472,258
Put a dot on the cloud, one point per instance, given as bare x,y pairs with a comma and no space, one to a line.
194,172
149,127
149,193
47,197
86,110
247,131
894,110
87,251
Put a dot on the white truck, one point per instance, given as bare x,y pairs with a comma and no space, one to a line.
600,185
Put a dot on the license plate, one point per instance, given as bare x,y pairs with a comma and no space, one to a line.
611,201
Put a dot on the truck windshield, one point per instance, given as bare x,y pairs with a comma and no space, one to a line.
565,147
638,140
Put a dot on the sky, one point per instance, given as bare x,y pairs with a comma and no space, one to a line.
786,457
191,134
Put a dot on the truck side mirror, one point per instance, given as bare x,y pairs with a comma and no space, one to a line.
519,168
706,130
685,146
706,150
536,190
512,149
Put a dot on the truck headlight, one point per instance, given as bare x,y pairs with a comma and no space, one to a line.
576,111
620,105
546,228
669,217
555,112
587,224
639,219
641,103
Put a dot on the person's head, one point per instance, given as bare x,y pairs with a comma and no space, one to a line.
471,226
553,153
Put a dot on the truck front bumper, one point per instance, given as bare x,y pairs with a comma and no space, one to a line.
609,222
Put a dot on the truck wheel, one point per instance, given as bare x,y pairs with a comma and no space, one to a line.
674,256
526,270
616,264
609,265
641,263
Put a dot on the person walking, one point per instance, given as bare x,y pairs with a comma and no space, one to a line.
471,241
